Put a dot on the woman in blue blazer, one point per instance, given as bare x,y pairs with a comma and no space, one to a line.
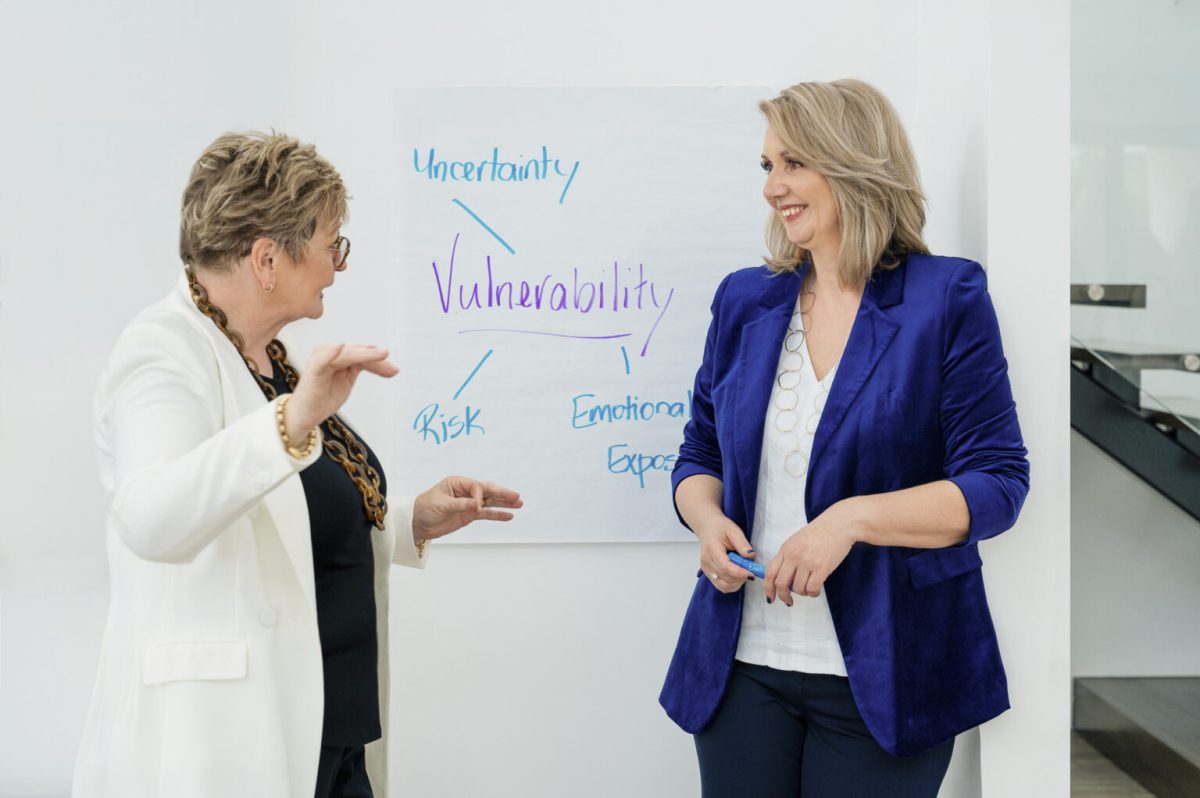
854,431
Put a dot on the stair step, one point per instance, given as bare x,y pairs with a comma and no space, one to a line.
1149,727
1093,775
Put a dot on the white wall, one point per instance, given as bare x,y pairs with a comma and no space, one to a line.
537,667
1135,179
1135,133
1135,184
1135,558
1026,751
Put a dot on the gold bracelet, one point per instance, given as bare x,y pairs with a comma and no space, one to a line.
420,547
309,445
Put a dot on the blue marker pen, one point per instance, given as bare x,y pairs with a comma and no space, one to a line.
749,565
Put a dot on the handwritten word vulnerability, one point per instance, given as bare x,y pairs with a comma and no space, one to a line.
621,289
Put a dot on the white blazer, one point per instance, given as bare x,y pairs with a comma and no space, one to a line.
210,680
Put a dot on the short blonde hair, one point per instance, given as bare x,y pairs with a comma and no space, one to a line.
247,186
849,133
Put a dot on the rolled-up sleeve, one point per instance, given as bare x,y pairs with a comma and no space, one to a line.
983,452
700,452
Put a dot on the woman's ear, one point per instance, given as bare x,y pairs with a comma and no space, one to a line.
264,257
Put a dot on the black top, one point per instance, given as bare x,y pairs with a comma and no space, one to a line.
344,567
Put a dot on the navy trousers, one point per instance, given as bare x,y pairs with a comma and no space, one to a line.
342,773
782,734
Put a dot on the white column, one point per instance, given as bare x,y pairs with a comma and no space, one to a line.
1026,751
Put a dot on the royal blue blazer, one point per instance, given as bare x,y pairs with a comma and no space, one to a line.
921,394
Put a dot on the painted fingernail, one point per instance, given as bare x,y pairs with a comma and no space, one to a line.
769,599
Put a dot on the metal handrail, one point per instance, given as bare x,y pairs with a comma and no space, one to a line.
1108,295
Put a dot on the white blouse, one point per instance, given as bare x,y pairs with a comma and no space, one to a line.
800,637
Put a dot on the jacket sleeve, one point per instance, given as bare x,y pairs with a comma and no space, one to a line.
983,452
404,552
700,452
178,479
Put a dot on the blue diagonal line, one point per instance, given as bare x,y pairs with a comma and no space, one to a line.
625,355
563,196
472,375
485,226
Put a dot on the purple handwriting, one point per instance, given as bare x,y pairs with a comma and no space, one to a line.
621,289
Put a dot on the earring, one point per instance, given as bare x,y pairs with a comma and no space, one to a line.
269,287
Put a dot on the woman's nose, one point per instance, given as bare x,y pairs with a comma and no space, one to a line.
773,188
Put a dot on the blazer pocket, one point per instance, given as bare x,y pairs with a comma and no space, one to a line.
195,660
937,565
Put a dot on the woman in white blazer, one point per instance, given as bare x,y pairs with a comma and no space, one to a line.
230,603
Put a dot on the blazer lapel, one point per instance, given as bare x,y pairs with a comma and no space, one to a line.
240,395
758,358
870,337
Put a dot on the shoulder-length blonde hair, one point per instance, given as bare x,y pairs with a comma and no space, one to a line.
849,133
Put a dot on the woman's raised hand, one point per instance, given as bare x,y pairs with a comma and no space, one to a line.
327,381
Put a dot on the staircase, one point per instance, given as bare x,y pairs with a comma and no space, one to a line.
1148,727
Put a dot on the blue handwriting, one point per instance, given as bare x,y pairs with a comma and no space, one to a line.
636,463
433,425
585,413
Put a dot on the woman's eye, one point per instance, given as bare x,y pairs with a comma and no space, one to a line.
795,165
766,166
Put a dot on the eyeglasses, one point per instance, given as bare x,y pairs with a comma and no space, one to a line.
341,250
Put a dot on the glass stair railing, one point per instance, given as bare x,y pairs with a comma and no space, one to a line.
1123,369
